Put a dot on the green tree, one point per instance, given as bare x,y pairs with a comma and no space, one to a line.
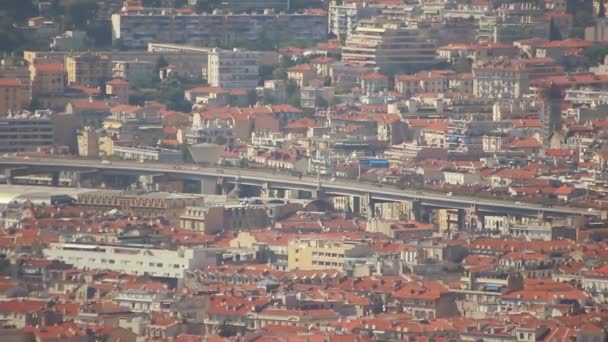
225,329
595,55
554,33
464,65
344,88
77,14
206,5
279,73
19,9
180,3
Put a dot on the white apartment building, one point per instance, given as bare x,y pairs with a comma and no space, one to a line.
379,43
233,69
26,131
132,260
343,15
210,130
509,78
135,29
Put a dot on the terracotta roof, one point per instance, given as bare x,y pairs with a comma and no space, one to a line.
10,82
56,67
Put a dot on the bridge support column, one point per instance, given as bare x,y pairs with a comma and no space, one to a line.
266,191
9,174
318,193
208,186
416,210
472,221
55,179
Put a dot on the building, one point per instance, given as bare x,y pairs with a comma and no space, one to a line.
233,69
144,261
373,82
390,46
88,142
87,69
68,41
597,32
322,254
243,6
88,112
508,78
551,112
213,130
147,153
133,71
149,205
135,29
47,79
118,90
301,74
13,96
25,131
343,16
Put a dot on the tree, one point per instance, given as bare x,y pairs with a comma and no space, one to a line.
206,5
77,14
554,32
595,55
279,73
20,9
601,13
180,3
225,329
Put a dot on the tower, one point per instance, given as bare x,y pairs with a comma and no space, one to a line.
550,112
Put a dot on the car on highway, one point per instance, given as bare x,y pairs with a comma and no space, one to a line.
449,194
106,162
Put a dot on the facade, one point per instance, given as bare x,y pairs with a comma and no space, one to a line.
242,6
13,96
23,132
133,71
233,69
343,16
320,254
68,41
149,205
118,89
87,69
510,78
386,45
132,260
47,79
211,130
88,142
147,153
135,29
551,113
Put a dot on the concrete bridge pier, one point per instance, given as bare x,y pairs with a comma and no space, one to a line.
11,173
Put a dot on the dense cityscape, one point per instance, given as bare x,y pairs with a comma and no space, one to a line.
303,170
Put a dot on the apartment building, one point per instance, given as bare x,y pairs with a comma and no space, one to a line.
13,96
188,62
150,205
87,69
510,77
388,45
88,142
233,69
135,71
25,131
135,29
242,6
343,16
132,260
47,79
313,254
